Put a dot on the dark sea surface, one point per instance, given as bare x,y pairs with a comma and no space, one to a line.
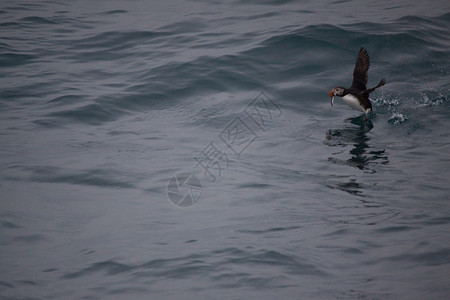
188,150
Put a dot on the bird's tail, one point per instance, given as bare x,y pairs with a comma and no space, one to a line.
380,84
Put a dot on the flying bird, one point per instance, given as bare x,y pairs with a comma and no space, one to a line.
357,95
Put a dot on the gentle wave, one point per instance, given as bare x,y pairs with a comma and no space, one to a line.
309,53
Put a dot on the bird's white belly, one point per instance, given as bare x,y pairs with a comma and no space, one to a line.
353,102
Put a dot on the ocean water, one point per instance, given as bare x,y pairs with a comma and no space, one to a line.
188,150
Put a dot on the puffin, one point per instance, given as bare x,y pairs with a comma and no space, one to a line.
357,95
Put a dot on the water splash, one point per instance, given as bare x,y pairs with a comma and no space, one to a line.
386,101
432,101
397,118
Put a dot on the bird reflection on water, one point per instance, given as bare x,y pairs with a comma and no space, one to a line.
362,154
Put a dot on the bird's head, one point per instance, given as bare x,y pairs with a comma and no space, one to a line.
337,91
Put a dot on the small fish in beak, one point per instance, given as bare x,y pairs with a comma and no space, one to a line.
332,97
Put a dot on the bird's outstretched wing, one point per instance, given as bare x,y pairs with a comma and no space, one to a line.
360,72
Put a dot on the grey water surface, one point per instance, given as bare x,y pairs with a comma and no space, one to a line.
188,150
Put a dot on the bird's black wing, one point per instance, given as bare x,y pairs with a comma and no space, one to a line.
360,72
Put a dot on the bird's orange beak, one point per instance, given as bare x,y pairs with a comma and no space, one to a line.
331,93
